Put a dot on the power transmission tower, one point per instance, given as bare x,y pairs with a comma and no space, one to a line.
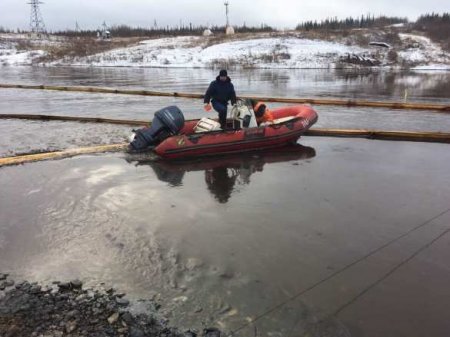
37,25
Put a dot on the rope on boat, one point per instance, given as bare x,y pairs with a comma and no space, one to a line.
28,158
348,102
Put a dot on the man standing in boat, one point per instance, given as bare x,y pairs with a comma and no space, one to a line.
218,94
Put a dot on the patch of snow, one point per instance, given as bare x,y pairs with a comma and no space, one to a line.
13,57
13,36
419,38
19,49
423,53
398,25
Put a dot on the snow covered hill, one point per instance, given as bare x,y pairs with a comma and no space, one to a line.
188,52
288,51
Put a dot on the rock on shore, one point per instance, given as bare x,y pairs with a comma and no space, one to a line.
66,309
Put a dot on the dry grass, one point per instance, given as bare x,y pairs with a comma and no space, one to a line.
222,38
226,64
81,47
392,56
24,45
277,55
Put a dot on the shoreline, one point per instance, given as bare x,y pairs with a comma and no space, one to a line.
374,68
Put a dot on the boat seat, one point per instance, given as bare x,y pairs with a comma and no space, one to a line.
206,125
284,119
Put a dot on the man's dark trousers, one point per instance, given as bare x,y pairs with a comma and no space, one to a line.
222,110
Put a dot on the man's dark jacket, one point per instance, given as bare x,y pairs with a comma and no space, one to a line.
221,91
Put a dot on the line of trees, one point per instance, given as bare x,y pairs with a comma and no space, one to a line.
128,31
5,30
367,21
436,26
11,31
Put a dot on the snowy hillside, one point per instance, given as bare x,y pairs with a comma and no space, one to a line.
11,55
288,51
188,52
275,52
422,53
19,49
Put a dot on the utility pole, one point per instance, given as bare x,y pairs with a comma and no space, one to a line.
36,22
228,29
226,3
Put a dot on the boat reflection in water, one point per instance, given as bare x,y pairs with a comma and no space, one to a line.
224,172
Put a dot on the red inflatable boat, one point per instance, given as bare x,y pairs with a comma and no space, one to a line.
289,123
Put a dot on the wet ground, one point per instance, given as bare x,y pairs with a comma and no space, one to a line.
333,237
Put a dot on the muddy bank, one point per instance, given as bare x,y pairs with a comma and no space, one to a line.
68,309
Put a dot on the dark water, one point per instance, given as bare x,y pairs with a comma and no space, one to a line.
333,237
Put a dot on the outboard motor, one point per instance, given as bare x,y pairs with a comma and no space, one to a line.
167,122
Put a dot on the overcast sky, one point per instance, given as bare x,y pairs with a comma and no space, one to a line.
90,14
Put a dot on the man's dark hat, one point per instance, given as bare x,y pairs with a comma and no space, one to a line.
223,72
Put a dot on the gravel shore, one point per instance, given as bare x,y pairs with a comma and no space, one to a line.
68,309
